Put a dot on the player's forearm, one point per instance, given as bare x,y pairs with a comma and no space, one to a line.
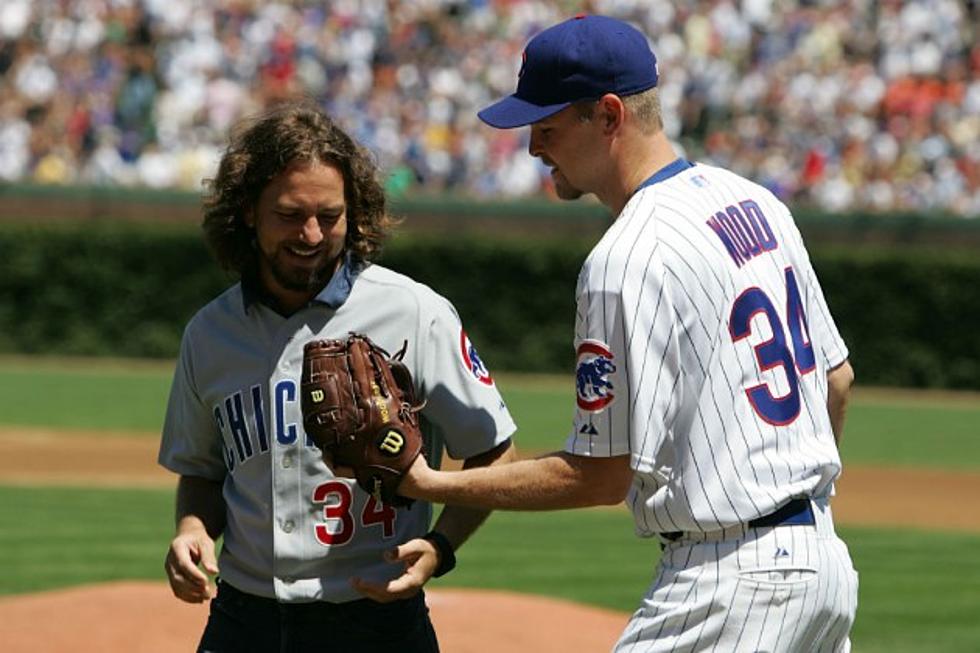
552,482
839,381
457,523
200,504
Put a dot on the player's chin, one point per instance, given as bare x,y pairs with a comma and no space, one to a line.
302,274
566,191
302,280
563,189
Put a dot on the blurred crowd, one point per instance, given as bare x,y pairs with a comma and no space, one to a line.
843,105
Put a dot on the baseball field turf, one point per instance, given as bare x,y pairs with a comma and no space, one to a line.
920,585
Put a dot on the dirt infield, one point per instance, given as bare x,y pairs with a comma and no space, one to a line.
145,618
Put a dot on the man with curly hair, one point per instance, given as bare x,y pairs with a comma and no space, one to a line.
309,561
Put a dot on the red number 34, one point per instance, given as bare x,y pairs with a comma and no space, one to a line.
338,526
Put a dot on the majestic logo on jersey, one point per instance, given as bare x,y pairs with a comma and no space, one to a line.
592,385
588,428
472,360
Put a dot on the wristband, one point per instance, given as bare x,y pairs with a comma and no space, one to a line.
447,557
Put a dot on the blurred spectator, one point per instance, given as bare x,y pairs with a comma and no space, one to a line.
865,104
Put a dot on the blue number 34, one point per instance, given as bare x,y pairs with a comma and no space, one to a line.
775,352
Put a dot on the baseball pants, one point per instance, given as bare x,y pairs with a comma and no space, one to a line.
245,623
782,589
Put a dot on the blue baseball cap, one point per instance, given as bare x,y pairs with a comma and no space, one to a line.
582,58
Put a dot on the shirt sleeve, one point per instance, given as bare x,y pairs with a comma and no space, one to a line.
600,426
462,400
191,444
627,364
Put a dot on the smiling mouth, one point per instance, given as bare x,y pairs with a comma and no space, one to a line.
303,253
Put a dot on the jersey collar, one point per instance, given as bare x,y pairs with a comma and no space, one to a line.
334,294
341,283
674,167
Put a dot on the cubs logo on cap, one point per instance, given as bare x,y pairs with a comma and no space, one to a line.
472,361
593,389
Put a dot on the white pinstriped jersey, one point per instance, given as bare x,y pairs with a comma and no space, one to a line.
703,343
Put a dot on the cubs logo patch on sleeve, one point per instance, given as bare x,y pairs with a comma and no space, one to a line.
593,389
472,361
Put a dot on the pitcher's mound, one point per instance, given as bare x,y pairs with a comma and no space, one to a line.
138,617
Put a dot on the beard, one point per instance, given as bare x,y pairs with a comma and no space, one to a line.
301,278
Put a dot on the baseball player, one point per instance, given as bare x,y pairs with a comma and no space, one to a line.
711,380
309,561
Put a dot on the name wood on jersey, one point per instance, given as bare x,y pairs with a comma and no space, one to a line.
744,231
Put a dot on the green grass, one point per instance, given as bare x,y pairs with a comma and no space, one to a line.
542,406
54,537
916,434
590,556
919,590
80,394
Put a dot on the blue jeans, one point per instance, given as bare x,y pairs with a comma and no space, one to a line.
245,623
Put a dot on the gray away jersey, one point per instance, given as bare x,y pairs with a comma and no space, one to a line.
703,343
294,531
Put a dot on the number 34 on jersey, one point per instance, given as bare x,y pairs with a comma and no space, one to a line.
795,357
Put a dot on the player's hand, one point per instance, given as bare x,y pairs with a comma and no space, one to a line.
419,558
187,580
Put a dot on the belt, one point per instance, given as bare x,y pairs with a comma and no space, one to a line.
254,601
796,512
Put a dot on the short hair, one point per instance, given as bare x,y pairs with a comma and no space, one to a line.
263,147
645,106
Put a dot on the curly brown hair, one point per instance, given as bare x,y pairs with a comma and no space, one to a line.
262,147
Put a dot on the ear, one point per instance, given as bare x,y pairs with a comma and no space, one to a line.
612,113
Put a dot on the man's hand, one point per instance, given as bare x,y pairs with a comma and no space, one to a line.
420,559
187,551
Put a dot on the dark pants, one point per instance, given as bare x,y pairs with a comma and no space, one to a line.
245,623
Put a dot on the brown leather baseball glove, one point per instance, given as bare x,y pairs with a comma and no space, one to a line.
359,406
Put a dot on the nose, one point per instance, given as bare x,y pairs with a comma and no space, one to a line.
311,233
534,144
